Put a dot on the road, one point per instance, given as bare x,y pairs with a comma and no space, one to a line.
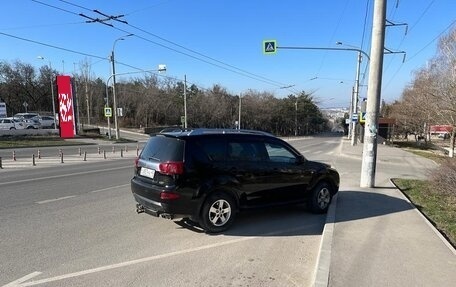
75,225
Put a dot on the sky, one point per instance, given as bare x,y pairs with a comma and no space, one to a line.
221,42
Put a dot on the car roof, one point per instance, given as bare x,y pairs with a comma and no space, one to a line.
207,131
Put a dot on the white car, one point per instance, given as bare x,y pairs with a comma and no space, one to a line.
25,115
47,122
11,124
31,123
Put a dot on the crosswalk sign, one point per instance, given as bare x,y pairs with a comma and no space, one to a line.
108,112
362,117
269,47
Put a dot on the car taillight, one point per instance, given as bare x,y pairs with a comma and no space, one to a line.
169,195
136,162
171,167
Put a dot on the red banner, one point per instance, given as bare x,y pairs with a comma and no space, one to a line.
66,109
441,129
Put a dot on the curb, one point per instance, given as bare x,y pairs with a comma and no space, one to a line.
322,272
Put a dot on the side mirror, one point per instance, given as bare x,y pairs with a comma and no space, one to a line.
300,159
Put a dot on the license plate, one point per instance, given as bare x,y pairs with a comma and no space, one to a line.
147,172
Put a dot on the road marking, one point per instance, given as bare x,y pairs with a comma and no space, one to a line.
109,188
71,196
19,282
55,199
65,175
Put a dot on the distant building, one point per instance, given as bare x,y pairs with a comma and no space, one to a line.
441,129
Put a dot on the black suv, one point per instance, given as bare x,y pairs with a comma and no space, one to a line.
208,175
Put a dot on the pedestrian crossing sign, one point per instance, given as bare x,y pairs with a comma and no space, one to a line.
362,117
269,47
108,112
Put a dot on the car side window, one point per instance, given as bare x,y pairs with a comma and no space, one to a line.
213,149
279,153
246,151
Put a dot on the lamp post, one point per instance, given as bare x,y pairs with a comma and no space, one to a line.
161,68
52,91
239,120
113,75
185,101
355,94
296,117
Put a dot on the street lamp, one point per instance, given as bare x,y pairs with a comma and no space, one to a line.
239,120
296,117
113,75
52,91
355,94
161,68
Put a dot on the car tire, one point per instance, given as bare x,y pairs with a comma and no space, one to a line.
320,198
218,212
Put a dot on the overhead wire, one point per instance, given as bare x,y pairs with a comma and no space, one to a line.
222,65
362,40
52,46
41,26
331,40
424,47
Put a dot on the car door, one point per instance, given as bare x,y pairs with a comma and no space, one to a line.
288,175
246,163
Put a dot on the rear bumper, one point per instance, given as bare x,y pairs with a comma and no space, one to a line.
148,197
150,207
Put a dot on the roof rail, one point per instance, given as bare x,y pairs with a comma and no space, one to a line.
202,131
205,131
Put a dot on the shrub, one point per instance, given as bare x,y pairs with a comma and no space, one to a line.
443,179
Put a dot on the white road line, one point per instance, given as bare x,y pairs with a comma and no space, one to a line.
54,199
71,196
109,188
17,283
147,259
65,175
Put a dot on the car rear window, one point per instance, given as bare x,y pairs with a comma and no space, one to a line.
162,148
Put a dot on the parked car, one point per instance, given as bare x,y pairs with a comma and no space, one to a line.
31,123
11,124
444,136
47,122
208,175
25,115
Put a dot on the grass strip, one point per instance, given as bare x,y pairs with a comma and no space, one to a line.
22,142
440,209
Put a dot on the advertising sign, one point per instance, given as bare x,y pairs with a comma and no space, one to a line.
66,109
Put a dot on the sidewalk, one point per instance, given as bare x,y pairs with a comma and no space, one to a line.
375,236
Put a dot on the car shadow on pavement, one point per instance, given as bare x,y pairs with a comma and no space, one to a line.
278,221
355,205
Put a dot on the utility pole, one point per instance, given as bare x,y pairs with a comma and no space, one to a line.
87,96
368,166
355,100
239,120
114,84
185,101
114,92
296,117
